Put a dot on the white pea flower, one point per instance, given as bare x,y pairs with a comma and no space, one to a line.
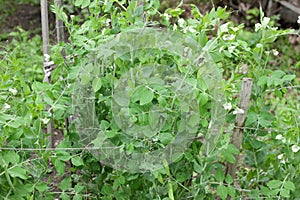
275,52
257,27
279,137
295,148
298,21
224,28
167,16
6,106
228,37
47,57
282,161
280,156
231,48
45,120
221,49
265,21
235,29
238,111
185,30
283,140
174,27
259,45
191,29
227,106
72,16
181,22
107,22
13,91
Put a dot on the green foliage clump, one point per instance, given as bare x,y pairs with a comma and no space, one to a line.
271,134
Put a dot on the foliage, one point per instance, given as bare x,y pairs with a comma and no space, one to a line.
270,144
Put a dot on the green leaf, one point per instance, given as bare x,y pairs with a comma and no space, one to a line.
96,84
219,175
65,184
108,6
182,176
10,157
262,80
274,192
41,186
278,93
285,193
232,149
274,184
231,191
288,77
21,190
120,180
64,196
59,166
228,179
78,187
110,133
85,78
228,156
104,125
78,2
77,197
222,191
277,74
256,144
143,94
18,172
197,167
14,124
202,99
85,3
289,185
121,98
176,157
106,189
64,157
153,119
77,161
265,191
194,120
222,13
202,85
165,137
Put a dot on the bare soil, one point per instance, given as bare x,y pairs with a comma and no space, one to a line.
25,16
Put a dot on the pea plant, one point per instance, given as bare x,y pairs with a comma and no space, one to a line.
152,99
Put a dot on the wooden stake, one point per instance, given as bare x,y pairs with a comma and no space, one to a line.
47,65
45,27
59,25
237,136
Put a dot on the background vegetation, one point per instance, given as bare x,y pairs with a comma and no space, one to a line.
270,165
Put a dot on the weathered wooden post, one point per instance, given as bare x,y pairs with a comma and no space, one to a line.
47,64
45,26
59,25
237,136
